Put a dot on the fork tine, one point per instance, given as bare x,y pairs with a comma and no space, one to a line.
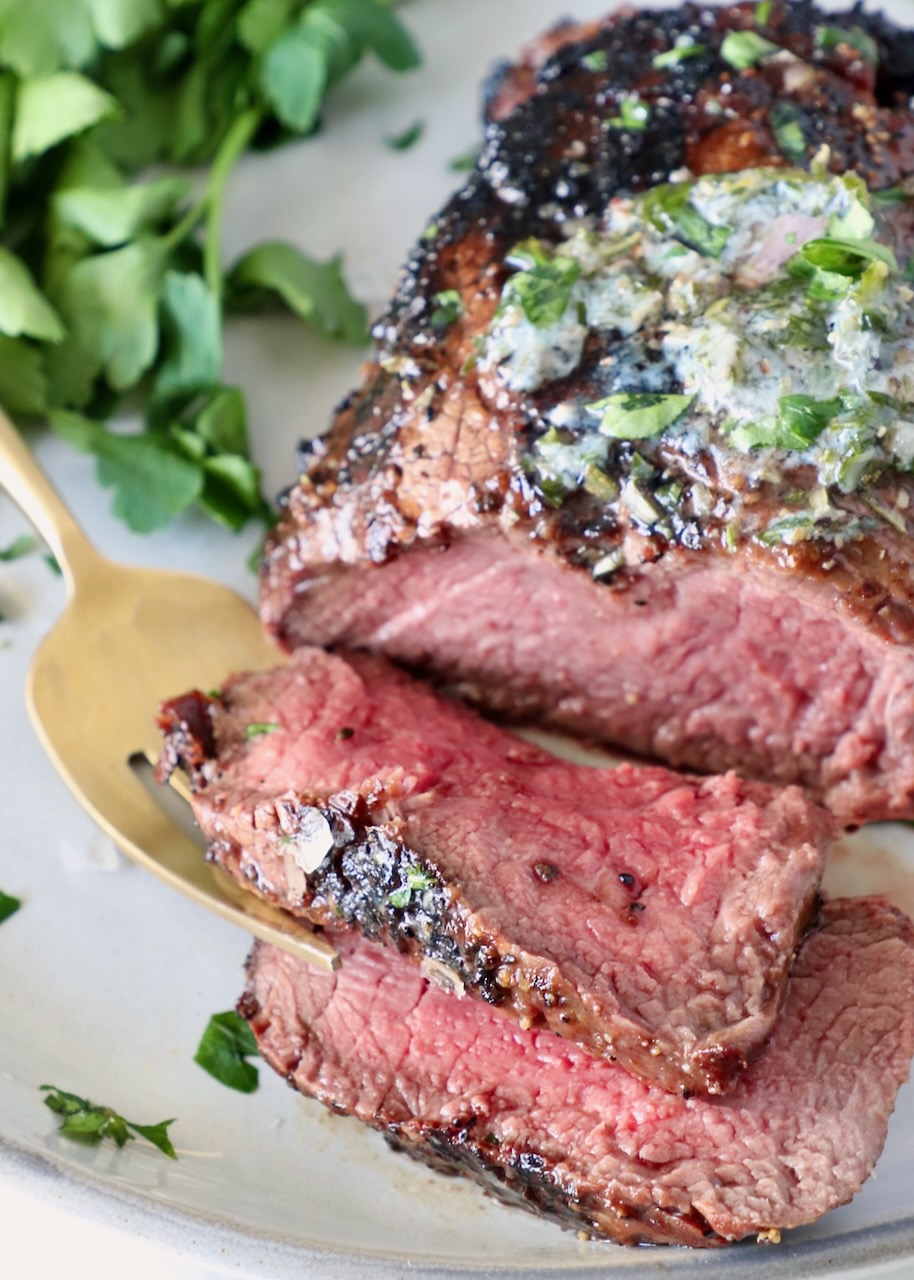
142,831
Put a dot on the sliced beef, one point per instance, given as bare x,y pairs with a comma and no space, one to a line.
542,1125
418,530
650,917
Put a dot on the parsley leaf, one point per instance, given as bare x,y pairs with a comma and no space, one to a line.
743,49
110,216
416,880
785,124
52,108
853,37
23,383
293,77
226,1043
670,209
258,728
8,905
542,287
315,291
19,547
633,115
679,53
448,308
86,1122
192,351
152,479
638,415
465,161
408,138
23,309
801,420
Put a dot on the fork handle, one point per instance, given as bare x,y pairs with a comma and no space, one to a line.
40,502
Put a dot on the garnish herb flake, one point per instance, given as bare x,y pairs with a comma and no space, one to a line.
595,60
223,1051
854,37
542,287
408,138
638,416
258,728
633,115
679,53
763,12
8,906
85,1122
448,308
18,548
669,208
465,161
785,124
743,49
416,880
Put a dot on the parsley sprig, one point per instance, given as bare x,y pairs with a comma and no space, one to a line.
86,1122
112,281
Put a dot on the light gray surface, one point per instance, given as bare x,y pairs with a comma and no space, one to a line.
108,978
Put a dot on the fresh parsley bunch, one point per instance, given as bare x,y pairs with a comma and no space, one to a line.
112,283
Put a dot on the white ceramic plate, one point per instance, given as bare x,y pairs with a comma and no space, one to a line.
108,978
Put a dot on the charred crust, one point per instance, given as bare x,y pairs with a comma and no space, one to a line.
187,725
528,1179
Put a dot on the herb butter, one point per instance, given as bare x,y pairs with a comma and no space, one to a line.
760,318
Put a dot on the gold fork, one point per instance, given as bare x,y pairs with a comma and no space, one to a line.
127,639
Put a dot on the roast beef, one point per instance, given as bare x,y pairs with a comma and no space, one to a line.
710,603
541,1124
650,917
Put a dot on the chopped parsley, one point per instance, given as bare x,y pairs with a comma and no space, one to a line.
542,287
85,1122
8,906
801,420
466,160
831,266
890,196
223,1051
788,134
408,138
669,208
448,308
634,115
595,60
258,728
19,547
679,53
632,416
743,49
854,37
416,879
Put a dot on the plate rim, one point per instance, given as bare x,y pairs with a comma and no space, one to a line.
206,1237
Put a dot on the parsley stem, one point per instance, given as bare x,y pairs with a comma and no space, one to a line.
232,147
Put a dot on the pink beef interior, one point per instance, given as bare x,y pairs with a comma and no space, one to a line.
538,1121
700,664
651,916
